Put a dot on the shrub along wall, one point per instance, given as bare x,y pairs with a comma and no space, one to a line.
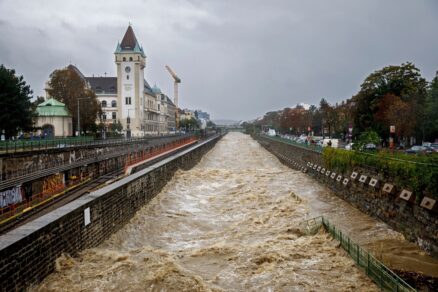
416,173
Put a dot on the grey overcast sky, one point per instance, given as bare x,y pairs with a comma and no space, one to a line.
236,59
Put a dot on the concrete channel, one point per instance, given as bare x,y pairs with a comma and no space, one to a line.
28,253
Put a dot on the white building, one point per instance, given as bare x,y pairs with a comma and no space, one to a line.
53,119
128,98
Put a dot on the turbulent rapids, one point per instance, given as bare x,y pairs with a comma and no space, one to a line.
229,224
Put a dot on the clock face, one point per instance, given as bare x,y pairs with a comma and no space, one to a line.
127,69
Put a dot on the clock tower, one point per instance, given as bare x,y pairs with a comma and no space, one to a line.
131,61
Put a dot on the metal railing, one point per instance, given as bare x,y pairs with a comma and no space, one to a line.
311,147
44,144
384,277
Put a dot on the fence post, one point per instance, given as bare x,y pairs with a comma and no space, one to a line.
357,254
381,276
368,264
340,238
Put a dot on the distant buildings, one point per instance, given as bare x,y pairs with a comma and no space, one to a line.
202,115
197,114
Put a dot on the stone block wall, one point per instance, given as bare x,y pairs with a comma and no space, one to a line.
28,253
416,222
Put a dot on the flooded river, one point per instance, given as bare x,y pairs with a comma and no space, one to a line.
231,223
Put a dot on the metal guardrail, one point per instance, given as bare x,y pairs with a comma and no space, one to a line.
311,147
30,174
384,277
320,150
71,142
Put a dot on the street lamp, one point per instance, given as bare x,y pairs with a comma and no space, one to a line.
79,116
128,122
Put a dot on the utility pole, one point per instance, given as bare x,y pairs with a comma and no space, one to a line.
79,117
79,124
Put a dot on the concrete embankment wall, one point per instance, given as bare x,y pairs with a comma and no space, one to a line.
28,253
417,223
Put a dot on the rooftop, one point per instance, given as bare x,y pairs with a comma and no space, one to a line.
129,43
52,108
103,84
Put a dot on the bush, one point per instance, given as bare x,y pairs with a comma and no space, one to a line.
365,138
416,173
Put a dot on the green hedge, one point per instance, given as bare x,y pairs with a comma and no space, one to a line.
418,173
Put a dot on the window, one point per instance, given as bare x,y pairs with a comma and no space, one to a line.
103,103
158,107
127,77
104,116
124,59
127,100
114,103
114,116
130,58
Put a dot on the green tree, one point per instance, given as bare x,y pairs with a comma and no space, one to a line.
329,117
404,81
37,102
189,124
69,87
431,112
365,138
15,105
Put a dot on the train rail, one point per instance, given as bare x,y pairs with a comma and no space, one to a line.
66,196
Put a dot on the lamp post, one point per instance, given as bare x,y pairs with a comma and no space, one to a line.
79,116
128,123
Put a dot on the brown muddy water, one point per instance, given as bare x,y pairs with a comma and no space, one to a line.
231,223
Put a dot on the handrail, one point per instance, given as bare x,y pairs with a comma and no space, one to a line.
44,144
314,148
383,276
320,150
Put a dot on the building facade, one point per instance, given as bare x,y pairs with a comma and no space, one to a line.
53,119
128,98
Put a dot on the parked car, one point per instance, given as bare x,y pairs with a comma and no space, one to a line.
434,146
426,144
370,146
419,149
349,146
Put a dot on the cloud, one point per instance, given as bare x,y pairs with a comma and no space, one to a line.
237,59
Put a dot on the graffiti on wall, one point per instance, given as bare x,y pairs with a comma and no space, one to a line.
53,184
11,196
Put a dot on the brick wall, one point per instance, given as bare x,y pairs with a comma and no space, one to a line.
28,253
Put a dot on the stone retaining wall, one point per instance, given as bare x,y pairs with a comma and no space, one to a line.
28,253
382,200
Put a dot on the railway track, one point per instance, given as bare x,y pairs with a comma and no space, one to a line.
61,200
79,191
